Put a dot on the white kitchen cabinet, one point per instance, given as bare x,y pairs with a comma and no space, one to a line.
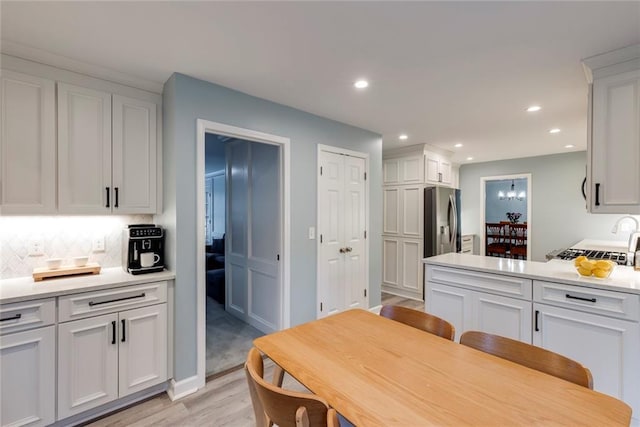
403,208
27,144
106,156
403,170
613,168
27,363
467,243
609,347
438,169
115,345
469,310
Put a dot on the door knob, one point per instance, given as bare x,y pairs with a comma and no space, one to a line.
348,249
342,250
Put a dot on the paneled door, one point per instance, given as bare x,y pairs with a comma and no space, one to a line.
342,245
254,285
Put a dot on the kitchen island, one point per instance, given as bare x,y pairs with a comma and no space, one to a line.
594,321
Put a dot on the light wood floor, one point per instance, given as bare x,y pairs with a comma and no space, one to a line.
224,401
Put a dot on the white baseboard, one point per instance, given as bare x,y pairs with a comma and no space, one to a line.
179,389
376,309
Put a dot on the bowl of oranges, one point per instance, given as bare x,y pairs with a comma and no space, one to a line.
600,268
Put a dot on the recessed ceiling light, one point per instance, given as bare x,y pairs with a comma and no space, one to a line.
361,84
534,108
469,158
458,145
569,146
554,130
403,137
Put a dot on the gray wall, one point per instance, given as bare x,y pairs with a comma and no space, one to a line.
187,99
496,209
558,216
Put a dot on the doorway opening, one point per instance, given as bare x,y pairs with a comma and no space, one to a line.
243,215
505,216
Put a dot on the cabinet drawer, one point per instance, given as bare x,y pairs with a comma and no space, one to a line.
499,284
89,304
20,316
608,303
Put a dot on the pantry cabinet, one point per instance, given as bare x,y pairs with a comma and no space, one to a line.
106,152
27,363
27,144
613,168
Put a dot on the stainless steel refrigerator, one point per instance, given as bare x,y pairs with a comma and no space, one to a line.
441,221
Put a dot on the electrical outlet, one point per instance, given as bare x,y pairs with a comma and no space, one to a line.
36,248
98,244
312,233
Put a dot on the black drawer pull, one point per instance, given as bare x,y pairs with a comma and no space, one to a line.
123,334
113,331
116,204
107,190
537,327
91,303
580,298
597,194
16,317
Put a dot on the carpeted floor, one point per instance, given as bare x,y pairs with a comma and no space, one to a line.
228,339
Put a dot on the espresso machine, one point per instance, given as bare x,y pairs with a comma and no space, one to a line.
143,248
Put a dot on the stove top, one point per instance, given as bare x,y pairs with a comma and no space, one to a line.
618,257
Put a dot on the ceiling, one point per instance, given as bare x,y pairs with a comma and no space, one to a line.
441,72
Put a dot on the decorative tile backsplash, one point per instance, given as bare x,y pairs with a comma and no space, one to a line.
62,237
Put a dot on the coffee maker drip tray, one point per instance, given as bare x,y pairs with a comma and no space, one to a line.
144,270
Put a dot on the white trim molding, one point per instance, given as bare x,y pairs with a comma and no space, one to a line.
179,389
204,127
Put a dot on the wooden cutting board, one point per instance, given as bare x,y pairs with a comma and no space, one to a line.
46,273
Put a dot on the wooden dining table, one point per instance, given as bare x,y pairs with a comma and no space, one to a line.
379,372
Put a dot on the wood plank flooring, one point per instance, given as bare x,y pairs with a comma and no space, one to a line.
223,402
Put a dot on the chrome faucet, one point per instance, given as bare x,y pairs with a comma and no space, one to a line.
634,238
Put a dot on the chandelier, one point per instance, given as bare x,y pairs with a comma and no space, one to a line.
511,194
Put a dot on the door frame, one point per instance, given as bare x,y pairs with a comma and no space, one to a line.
203,127
365,156
483,199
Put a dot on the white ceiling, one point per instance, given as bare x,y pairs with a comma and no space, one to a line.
442,72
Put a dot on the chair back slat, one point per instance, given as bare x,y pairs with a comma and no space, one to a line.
530,356
419,319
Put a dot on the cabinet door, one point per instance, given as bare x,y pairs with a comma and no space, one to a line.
411,170
84,150
431,169
27,369
87,364
391,171
455,305
411,267
391,210
508,317
27,144
608,347
391,263
412,206
445,172
143,348
134,156
615,144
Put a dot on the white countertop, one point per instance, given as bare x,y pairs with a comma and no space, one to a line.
622,279
25,288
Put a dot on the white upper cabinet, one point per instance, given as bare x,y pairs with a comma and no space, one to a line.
438,169
106,152
403,170
27,144
613,169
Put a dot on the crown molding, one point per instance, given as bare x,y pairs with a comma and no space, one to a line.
47,58
612,62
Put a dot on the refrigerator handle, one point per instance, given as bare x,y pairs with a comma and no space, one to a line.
454,233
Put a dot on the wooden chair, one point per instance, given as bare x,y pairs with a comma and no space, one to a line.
530,356
496,239
518,244
286,408
419,319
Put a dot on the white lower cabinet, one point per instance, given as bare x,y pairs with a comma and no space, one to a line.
469,310
402,269
27,370
107,357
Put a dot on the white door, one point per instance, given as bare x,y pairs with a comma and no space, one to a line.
27,369
342,261
84,150
87,364
142,348
27,144
254,282
604,345
134,156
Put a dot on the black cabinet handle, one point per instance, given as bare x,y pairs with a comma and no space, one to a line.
113,331
107,190
597,194
536,320
116,204
569,296
16,317
123,327
91,303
